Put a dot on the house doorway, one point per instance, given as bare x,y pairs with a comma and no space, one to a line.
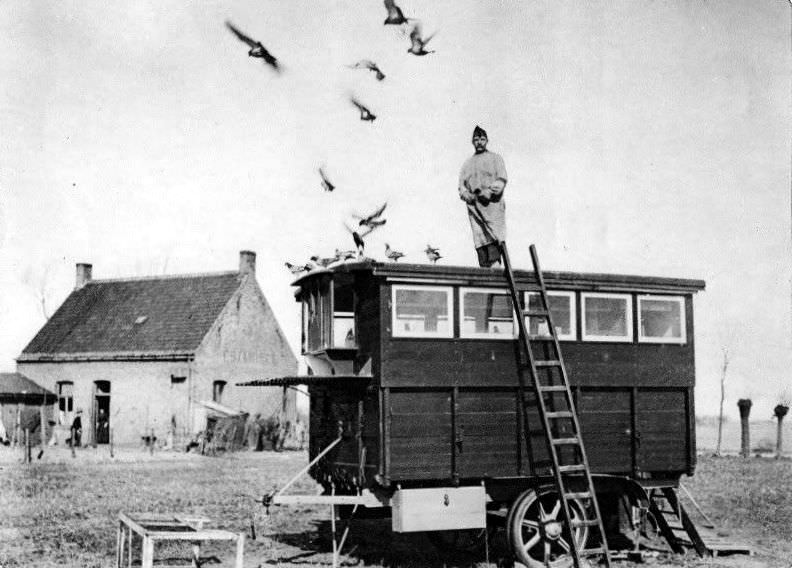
102,412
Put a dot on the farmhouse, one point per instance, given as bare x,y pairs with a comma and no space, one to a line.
137,354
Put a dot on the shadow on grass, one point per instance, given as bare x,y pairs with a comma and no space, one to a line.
372,542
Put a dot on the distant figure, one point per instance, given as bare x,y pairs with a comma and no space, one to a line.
76,429
299,433
482,181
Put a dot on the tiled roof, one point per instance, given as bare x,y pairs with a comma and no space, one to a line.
159,315
18,386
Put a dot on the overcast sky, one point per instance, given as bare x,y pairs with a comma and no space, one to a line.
643,138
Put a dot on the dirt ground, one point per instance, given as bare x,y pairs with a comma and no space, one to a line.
61,511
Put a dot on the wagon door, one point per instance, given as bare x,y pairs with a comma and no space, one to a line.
419,426
606,425
662,431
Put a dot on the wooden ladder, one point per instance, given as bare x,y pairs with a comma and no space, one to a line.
559,420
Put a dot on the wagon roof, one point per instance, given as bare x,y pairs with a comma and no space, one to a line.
443,274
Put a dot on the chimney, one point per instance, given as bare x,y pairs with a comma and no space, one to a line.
83,275
247,262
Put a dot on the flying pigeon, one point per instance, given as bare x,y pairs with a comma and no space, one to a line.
256,48
326,185
395,14
433,253
365,114
418,42
372,220
360,244
394,255
370,65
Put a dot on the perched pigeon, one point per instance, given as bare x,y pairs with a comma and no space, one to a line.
418,42
365,114
394,255
373,220
395,14
345,254
371,66
433,253
256,49
297,269
326,185
323,262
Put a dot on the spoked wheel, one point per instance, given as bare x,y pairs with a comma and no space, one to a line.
538,535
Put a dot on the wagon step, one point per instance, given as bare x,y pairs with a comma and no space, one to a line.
575,474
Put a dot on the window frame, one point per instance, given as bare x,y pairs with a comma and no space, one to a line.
680,300
397,333
487,335
629,323
573,309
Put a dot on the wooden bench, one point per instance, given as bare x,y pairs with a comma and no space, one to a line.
157,528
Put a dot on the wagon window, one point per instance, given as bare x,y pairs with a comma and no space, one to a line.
562,308
343,313
317,306
662,319
607,317
486,313
422,311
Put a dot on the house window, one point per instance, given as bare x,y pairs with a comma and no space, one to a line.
607,317
486,313
422,311
562,309
217,391
65,402
662,319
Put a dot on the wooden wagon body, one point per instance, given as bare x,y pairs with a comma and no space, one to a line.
416,366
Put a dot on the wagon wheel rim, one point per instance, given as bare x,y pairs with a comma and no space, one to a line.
539,536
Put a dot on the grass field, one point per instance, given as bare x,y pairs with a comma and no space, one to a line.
61,511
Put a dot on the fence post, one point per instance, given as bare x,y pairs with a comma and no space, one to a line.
27,445
744,405
110,434
151,442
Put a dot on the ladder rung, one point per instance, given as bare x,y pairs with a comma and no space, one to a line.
536,313
549,363
565,441
579,495
540,337
559,414
587,523
592,551
552,388
569,468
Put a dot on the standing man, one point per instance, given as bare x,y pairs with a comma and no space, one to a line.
482,180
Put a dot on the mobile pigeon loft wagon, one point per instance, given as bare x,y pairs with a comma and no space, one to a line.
426,399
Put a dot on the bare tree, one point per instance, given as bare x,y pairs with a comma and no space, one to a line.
780,411
39,280
725,351
744,405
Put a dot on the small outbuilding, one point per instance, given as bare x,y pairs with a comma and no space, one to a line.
24,405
